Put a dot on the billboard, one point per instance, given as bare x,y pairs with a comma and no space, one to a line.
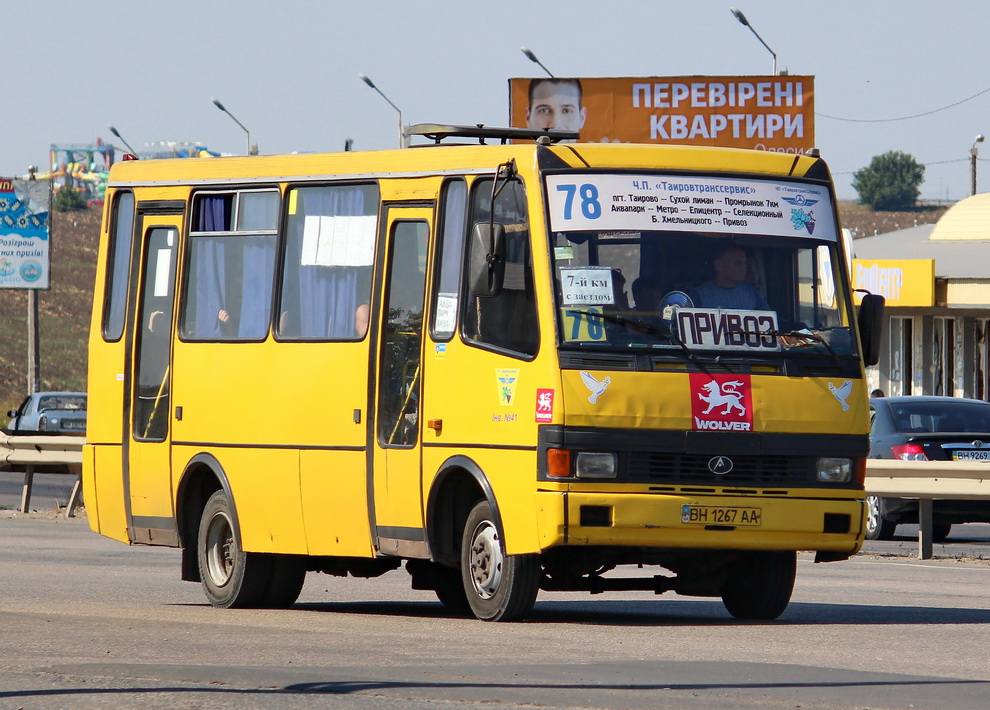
903,282
24,253
775,113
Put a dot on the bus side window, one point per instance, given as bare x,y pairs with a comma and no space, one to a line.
231,266
449,252
118,270
508,320
329,251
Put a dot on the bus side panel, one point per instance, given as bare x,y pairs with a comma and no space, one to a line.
334,503
512,476
265,487
103,491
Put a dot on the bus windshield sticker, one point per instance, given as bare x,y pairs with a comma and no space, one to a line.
446,317
707,329
583,324
709,205
339,240
586,285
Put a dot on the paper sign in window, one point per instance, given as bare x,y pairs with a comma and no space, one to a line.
163,261
338,240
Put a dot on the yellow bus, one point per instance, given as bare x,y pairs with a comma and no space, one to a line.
513,363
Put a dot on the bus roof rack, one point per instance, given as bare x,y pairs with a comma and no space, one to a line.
437,132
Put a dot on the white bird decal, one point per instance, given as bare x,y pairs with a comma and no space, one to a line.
842,393
594,385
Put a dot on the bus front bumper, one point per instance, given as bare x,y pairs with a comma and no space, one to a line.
797,522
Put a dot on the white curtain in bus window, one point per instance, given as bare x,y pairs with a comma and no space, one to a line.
231,275
330,247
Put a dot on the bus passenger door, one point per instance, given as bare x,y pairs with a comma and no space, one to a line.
396,479
147,434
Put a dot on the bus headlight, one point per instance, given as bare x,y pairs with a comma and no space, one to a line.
596,465
835,470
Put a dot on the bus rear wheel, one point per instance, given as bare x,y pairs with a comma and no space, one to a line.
759,585
499,587
235,578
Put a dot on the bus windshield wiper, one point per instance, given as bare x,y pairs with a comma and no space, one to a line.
649,328
806,336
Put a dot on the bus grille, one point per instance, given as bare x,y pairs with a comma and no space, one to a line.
675,468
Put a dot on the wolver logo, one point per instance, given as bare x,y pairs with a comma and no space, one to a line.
725,394
721,402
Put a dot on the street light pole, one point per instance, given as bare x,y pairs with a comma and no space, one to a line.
742,19
402,136
532,57
121,139
973,153
243,127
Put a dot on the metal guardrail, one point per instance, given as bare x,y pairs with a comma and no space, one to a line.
921,480
29,452
926,481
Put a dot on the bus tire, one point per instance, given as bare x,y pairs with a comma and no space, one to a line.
231,577
285,582
759,585
499,587
450,589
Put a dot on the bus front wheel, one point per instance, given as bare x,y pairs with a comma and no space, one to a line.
235,578
759,585
499,587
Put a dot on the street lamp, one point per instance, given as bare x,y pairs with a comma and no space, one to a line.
243,127
532,57
742,18
121,138
367,80
973,152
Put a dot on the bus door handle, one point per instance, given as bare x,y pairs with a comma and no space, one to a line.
435,424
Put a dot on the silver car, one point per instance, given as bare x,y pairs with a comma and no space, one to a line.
50,413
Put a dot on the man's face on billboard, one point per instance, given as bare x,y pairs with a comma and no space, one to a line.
556,106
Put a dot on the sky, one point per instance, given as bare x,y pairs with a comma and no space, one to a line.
288,70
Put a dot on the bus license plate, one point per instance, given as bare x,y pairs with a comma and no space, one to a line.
971,455
721,515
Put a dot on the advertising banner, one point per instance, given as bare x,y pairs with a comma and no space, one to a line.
24,252
774,113
903,282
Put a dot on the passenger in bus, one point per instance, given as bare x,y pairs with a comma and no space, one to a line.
620,301
646,293
226,323
361,318
730,287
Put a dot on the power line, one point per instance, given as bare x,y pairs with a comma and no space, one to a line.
902,118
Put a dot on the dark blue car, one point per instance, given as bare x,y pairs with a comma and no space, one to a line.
927,429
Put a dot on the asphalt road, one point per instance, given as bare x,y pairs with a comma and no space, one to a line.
88,622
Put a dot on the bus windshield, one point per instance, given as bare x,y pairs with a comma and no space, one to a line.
697,264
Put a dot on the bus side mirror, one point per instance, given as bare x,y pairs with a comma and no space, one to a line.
487,259
871,327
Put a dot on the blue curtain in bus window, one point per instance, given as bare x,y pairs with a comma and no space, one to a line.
328,295
256,285
209,273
